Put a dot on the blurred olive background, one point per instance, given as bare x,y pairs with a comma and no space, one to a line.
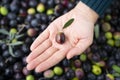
21,21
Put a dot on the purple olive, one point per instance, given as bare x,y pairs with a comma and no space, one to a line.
77,63
25,71
79,73
60,38
31,32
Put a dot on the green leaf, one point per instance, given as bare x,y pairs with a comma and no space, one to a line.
19,36
116,74
97,31
116,68
1,41
3,31
11,51
16,43
4,41
11,36
68,23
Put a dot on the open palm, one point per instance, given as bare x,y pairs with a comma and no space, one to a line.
46,52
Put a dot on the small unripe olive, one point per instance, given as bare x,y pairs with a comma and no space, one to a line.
110,77
96,70
3,11
58,70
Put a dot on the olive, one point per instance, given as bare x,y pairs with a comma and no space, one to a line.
60,38
58,70
79,73
96,70
109,77
48,73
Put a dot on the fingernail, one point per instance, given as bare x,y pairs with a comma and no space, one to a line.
31,48
68,57
28,68
27,59
37,71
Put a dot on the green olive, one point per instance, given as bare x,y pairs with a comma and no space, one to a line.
58,70
3,11
30,77
96,70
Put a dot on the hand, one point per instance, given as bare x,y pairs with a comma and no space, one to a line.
46,52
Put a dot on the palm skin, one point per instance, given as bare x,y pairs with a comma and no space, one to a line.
46,52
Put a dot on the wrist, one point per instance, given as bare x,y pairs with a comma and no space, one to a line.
86,12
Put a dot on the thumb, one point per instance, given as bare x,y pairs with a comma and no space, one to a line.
80,47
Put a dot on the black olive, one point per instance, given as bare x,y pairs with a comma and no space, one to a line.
60,38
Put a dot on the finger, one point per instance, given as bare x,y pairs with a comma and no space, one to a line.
41,48
42,37
81,46
51,61
45,55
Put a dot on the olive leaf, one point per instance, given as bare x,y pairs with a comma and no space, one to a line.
116,74
4,41
11,36
3,31
68,23
16,43
9,40
116,68
1,41
117,42
97,31
11,51
19,36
